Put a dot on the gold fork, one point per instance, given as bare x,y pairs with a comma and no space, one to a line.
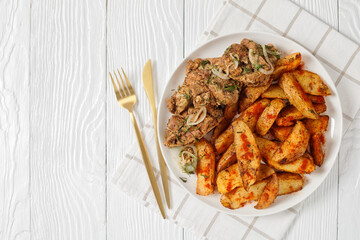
126,97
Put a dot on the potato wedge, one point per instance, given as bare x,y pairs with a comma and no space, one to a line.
317,140
318,125
269,115
238,197
294,145
250,94
302,165
316,99
205,169
290,114
281,133
247,153
297,96
229,178
249,116
311,83
228,158
288,183
286,64
269,194
229,113
274,91
266,147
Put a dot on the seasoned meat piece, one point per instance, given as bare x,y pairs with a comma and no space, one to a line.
180,100
197,81
225,91
178,133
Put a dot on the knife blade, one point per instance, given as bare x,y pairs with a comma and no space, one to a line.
149,89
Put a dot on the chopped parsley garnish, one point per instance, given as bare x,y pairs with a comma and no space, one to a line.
204,62
205,176
183,179
187,96
276,54
247,70
228,49
229,88
257,67
312,111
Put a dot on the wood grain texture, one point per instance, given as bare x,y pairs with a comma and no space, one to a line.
138,30
197,16
325,10
14,120
349,19
67,120
348,207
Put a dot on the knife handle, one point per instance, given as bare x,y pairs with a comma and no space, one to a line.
148,166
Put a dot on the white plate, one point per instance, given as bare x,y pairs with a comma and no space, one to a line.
215,48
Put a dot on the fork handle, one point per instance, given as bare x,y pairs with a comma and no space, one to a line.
148,166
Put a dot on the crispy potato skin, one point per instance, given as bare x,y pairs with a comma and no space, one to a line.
290,114
250,94
269,194
229,157
311,83
274,91
281,133
294,146
286,64
229,178
288,183
205,170
239,196
249,116
317,142
229,113
247,153
269,115
297,96
317,128
316,99
302,165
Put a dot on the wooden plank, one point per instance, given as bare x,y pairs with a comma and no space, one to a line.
349,19
67,120
197,16
138,30
349,207
14,120
326,12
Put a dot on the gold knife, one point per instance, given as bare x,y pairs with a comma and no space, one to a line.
149,89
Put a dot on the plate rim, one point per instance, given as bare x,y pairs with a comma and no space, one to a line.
198,197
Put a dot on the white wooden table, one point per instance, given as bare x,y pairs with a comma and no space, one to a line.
62,132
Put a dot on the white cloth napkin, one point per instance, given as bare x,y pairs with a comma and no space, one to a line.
277,16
